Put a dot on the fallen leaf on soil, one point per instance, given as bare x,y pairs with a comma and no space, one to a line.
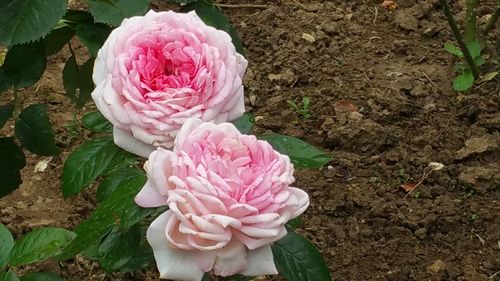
407,187
389,5
477,145
487,77
42,165
344,106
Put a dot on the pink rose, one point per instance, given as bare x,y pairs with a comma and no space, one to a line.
156,71
229,197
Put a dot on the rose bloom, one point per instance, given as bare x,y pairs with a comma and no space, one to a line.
156,71
229,197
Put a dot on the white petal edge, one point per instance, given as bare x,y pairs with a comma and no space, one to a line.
149,197
127,141
172,263
260,262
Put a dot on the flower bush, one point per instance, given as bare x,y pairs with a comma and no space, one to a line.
229,197
156,71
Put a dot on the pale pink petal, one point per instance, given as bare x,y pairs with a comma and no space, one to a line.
302,201
172,263
231,259
260,262
126,141
254,243
184,132
149,197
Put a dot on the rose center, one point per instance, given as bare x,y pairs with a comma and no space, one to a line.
161,66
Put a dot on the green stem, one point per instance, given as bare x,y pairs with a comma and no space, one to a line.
471,21
458,37
493,20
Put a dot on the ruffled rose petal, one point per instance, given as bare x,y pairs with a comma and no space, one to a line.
229,197
126,141
149,197
302,201
260,262
156,71
184,132
172,263
231,259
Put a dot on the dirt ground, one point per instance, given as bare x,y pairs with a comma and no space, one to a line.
382,105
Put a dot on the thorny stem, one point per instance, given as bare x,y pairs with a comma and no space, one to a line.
493,20
458,37
470,21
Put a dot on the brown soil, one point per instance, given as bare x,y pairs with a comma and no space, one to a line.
382,105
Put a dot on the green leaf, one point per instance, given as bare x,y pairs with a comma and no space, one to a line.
77,80
141,259
5,113
464,81
454,50
11,162
5,82
116,179
24,64
90,161
119,247
302,154
75,17
479,61
206,277
293,224
56,40
245,123
92,35
474,49
6,244
27,20
96,122
114,11
34,130
40,244
8,276
41,276
297,259
118,209
213,16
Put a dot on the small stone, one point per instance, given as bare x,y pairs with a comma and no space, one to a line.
436,267
329,172
308,37
421,233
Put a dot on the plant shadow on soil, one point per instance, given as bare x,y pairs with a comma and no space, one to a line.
388,67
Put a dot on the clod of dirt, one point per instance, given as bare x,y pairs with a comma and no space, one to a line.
436,267
287,77
345,110
476,145
365,135
406,21
421,233
475,176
